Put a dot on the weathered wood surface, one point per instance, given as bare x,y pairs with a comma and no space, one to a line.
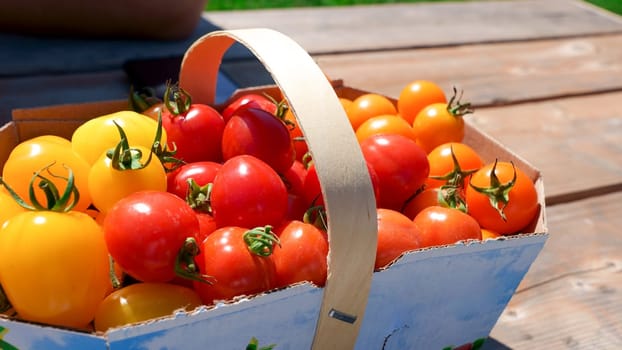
572,296
546,77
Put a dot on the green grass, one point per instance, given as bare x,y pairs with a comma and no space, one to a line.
614,6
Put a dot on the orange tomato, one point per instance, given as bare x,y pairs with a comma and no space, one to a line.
440,226
514,198
367,106
426,198
397,234
385,124
416,95
442,163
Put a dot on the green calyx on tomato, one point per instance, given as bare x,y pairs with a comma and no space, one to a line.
55,201
198,197
457,108
161,150
185,266
451,194
176,99
142,99
316,216
261,240
498,193
124,157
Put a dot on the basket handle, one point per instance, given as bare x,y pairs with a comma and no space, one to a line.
341,168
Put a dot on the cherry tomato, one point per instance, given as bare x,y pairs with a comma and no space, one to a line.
301,254
54,266
294,178
440,123
143,301
96,136
295,132
207,225
400,164
33,155
146,230
516,200
108,184
416,95
442,164
194,130
247,192
488,234
385,124
202,173
367,106
249,100
397,234
423,199
441,226
236,270
258,133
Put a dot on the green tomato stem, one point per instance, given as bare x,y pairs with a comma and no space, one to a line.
261,240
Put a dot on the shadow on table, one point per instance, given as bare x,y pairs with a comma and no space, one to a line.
493,344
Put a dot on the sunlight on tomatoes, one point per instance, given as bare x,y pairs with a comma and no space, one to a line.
441,226
143,301
384,124
397,234
367,106
442,163
416,95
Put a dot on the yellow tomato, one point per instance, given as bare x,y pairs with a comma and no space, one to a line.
108,185
98,135
54,267
143,301
8,206
34,155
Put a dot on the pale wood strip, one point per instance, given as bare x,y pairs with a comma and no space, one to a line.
570,298
390,26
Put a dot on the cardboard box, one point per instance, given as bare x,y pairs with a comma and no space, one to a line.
428,299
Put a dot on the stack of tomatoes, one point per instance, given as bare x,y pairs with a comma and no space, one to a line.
189,204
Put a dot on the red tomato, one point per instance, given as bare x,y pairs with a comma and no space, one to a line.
313,193
258,133
249,100
194,130
301,254
145,231
441,226
400,164
247,192
296,207
416,95
236,270
516,200
207,225
397,234
295,132
294,178
203,173
426,198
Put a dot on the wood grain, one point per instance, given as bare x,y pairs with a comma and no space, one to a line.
391,26
571,297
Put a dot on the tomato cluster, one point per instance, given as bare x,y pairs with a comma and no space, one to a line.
197,204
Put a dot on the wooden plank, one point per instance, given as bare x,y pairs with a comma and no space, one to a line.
490,74
390,26
571,296
575,142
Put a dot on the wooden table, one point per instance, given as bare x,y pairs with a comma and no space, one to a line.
545,78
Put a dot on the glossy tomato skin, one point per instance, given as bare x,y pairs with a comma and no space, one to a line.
294,178
247,192
385,124
301,254
400,164
258,133
397,234
441,226
143,301
8,206
423,199
521,208
203,173
108,185
33,155
441,162
416,95
54,267
145,231
368,106
246,101
435,125
196,134
236,271
295,132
